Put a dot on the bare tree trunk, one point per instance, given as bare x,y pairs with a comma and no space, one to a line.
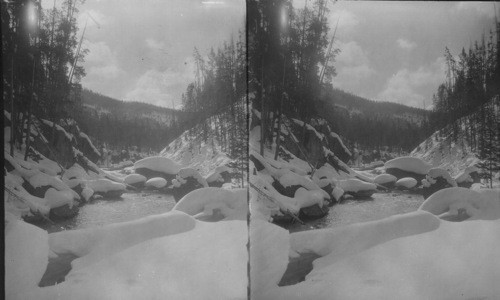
12,113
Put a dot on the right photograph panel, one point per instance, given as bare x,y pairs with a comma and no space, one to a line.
374,149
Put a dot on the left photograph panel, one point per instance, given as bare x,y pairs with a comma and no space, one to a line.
125,149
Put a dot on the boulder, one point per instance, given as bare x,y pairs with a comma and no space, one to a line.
156,183
64,212
406,183
386,180
313,212
437,179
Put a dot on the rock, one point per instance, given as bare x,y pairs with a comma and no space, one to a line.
386,180
398,173
135,180
183,186
288,191
313,212
406,183
152,174
64,212
437,179
156,183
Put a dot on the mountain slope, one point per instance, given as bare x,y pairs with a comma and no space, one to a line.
372,124
121,124
464,143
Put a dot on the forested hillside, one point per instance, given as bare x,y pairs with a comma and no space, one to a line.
373,124
122,124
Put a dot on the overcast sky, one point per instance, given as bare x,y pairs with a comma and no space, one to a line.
391,51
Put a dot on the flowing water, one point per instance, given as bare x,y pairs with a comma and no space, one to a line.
137,205
379,206
101,212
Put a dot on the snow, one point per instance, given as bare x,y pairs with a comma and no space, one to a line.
156,182
41,179
269,246
86,137
309,127
206,261
93,244
337,137
482,204
26,256
435,173
384,179
282,202
159,164
134,178
356,185
465,176
290,179
209,204
69,136
410,164
216,176
407,182
87,193
104,185
453,261
55,198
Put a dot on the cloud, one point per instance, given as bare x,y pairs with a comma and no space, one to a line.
162,88
482,8
154,44
411,87
102,67
353,66
406,44
347,21
93,18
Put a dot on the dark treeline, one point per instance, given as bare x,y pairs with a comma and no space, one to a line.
473,84
289,59
123,124
218,98
373,124
41,63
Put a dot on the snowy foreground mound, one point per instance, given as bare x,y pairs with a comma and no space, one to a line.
166,256
408,256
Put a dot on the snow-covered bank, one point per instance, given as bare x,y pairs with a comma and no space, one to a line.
409,256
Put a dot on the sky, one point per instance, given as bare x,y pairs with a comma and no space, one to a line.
394,51
390,51
142,50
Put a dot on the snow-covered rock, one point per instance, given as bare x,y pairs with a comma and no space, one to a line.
93,244
214,204
201,261
150,166
467,177
386,180
106,187
156,182
419,259
407,166
437,179
406,183
135,179
357,188
219,176
460,203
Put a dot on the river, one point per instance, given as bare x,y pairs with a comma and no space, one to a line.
136,205
101,212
